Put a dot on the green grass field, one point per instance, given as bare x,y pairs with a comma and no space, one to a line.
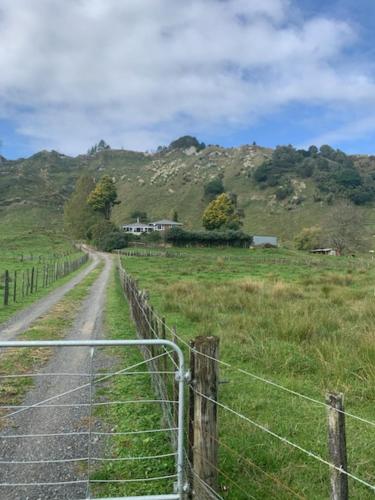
28,240
305,323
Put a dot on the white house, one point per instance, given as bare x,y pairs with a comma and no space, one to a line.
164,224
138,228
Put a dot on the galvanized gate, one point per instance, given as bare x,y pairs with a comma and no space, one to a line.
181,376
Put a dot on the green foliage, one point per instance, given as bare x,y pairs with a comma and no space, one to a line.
151,237
179,237
79,216
332,170
107,237
101,146
221,213
284,191
213,188
309,238
187,141
103,197
139,214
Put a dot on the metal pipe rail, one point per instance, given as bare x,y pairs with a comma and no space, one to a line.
181,376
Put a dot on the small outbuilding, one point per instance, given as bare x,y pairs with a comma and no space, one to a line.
264,241
325,251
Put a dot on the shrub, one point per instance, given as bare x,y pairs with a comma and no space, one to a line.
213,188
180,237
107,237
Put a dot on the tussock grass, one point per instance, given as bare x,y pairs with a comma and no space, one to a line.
308,329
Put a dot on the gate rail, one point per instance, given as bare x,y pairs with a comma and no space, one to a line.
181,376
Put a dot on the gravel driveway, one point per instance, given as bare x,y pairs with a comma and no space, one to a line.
21,321
56,420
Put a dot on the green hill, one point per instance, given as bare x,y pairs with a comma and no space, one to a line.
174,179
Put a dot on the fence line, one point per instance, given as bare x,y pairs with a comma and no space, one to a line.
297,261
287,441
148,321
17,286
262,379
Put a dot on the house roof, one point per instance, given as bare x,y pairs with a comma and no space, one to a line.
167,222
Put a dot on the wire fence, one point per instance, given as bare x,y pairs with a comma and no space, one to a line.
17,285
152,324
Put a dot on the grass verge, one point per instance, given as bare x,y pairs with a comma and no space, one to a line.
52,326
134,417
14,307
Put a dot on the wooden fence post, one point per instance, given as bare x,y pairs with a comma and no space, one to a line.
203,431
337,446
15,287
6,288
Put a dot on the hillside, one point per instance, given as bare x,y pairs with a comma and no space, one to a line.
171,179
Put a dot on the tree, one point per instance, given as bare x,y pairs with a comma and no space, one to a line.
345,228
79,216
103,197
106,236
187,141
213,188
221,213
96,148
175,216
309,238
139,214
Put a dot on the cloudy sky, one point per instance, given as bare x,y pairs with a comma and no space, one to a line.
140,73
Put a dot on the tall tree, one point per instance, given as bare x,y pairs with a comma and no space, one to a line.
79,216
345,228
221,213
103,197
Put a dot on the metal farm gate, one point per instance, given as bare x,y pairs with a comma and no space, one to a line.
10,431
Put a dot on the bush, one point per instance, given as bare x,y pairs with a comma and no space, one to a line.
309,238
213,188
180,237
107,237
187,141
153,237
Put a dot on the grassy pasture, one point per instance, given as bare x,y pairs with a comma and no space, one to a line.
28,238
303,322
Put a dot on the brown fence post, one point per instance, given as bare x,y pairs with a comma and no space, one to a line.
15,287
203,431
337,446
6,288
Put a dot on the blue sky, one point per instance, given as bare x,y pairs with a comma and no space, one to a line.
142,72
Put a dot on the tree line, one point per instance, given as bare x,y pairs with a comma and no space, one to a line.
87,214
335,174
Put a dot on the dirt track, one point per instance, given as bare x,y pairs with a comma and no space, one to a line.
21,321
88,324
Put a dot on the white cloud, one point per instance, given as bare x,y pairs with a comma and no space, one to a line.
137,72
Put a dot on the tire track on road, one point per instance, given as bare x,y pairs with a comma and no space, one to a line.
21,321
88,325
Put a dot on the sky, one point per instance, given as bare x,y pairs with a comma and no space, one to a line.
140,73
